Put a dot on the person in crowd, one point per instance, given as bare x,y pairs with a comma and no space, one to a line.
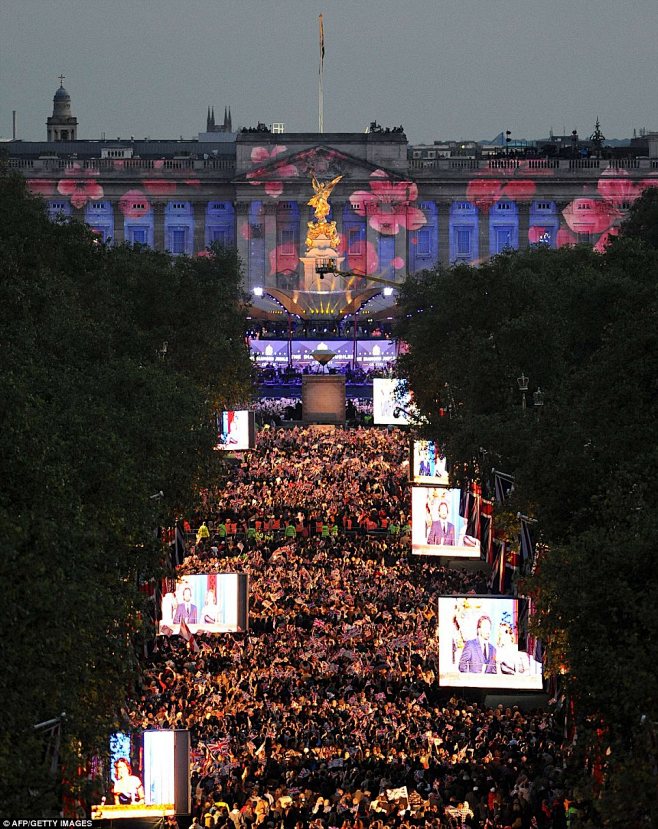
169,605
186,610
479,655
211,612
510,659
441,530
127,787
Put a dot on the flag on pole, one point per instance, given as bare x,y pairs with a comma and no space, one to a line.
527,542
177,546
497,579
503,485
474,508
464,499
486,531
513,558
321,40
188,636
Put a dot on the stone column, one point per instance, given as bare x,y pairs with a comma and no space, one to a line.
119,234
371,236
337,211
158,225
199,213
401,245
483,235
305,216
271,239
524,223
443,216
242,242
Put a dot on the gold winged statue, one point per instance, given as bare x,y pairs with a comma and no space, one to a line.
320,202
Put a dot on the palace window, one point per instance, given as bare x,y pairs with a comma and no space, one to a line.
424,242
178,240
463,238
355,242
288,242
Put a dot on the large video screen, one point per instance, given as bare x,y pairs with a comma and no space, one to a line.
437,528
152,782
207,603
391,402
236,431
479,644
428,463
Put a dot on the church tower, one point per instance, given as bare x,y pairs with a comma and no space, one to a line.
62,125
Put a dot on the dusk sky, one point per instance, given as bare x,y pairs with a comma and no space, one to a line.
450,69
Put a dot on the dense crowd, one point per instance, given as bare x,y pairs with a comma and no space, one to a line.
273,411
328,713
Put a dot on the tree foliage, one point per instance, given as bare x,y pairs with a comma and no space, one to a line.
642,221
583,328
97,418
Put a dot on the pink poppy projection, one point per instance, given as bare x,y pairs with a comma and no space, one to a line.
565,238
282,260
606,238
134,204
519,189
261,156
388,205
160,187
260,227
41,187
616,187
363,261
484,193
80,190
538,235
587,215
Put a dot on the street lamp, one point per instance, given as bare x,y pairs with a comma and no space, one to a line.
538,397
523,388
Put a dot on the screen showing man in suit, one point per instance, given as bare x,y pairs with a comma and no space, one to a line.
186,610
205,603
441,531
479,655
437,528
480,644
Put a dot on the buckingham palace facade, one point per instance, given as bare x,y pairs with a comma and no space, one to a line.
396,211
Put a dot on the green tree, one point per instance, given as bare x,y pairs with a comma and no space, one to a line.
642,221
97,418
582,327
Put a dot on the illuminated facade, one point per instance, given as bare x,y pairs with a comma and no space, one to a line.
395,214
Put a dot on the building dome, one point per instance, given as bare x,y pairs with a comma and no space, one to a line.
62,124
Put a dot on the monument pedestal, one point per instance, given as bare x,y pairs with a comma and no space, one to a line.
322,250
323,398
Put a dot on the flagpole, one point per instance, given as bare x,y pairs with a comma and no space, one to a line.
321,104
321,80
